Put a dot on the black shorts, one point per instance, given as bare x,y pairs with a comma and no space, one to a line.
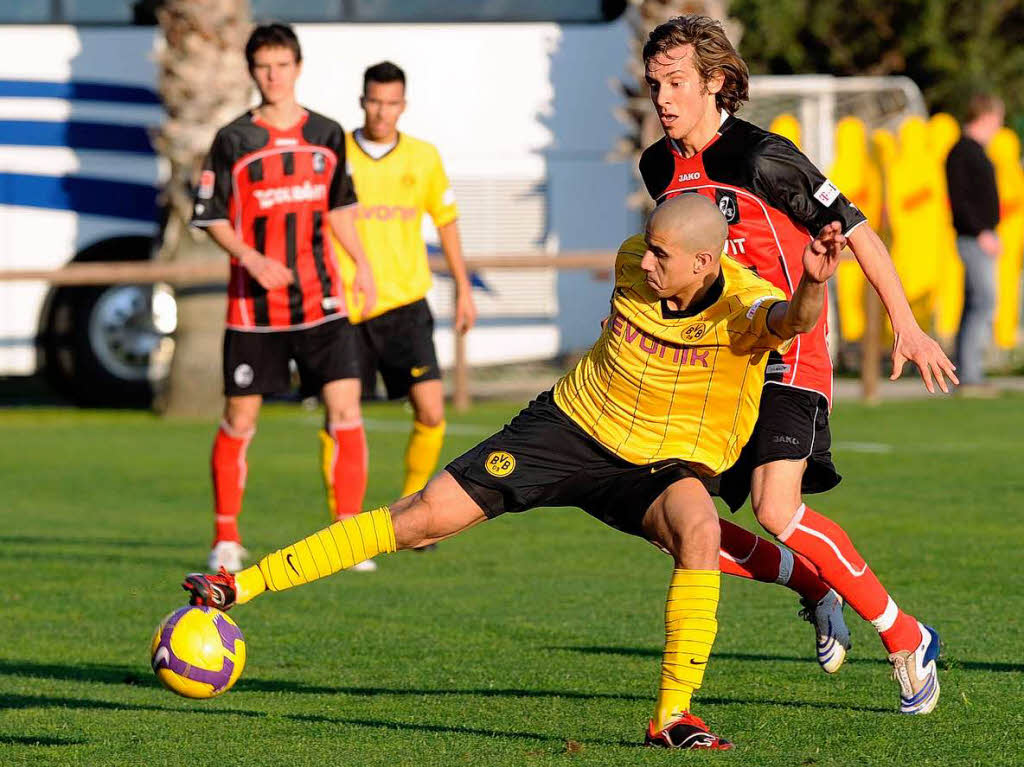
257,363
792,425
400,344
543,458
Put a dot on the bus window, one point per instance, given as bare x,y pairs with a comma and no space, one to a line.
96,11
24,13
488,10
413,11
297,10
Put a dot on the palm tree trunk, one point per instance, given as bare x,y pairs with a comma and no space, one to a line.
204,83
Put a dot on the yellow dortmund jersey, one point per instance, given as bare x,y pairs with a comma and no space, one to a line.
675,384
394,192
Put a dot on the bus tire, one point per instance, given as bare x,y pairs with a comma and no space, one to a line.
102,346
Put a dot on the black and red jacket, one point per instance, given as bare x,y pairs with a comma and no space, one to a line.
773,198
276,187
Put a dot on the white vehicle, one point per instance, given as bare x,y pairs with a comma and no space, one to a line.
522,113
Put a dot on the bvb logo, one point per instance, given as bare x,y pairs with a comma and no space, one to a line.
500,464
694,332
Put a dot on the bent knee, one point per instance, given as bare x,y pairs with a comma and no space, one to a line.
241,417
429,417
775,516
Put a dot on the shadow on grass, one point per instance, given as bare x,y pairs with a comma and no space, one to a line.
57,540
167,560
56,701
384,724
38,740
139,675
950,663
104,673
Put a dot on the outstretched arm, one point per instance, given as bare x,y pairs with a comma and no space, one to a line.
911,343
821,257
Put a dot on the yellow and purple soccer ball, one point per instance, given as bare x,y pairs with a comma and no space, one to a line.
198,652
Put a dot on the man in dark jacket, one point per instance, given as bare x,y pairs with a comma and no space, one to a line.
972,194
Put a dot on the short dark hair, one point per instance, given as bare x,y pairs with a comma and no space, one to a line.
275,35
983,103
384,72
712,52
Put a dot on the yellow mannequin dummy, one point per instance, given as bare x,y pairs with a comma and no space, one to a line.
914,191
786,126
860,179
1004,151
943,132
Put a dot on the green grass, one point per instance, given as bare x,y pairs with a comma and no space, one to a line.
531,640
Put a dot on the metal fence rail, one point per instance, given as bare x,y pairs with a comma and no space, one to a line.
213,272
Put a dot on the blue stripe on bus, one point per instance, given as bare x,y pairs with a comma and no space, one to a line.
77,135
78,90
475,280
98,197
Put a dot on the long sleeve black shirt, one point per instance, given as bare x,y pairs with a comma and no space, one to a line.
972,188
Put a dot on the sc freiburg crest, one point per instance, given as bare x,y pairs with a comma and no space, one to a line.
727,204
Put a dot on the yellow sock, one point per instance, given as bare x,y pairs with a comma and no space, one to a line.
345,543
690,628
421,455
326,466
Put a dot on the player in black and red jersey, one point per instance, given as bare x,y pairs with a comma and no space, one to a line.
773,198
274,185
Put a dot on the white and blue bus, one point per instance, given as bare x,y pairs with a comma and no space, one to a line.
518,95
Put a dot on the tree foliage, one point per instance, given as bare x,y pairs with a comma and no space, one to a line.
948,47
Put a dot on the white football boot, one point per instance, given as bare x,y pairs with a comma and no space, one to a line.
832,636
229,555
917,673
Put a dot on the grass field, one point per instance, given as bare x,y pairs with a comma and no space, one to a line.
532,640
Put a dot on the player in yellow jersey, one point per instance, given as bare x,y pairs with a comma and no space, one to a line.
399,178
635,435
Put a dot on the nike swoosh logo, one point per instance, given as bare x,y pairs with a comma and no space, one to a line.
291,564
420,371
656,469
695,663
161,657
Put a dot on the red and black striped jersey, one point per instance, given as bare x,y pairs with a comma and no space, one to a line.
773,198
275,187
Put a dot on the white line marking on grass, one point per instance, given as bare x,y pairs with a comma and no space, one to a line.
403,427
475,430
864,447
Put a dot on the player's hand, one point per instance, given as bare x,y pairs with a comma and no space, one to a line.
914,345
465,310
363,285
821,256
267,272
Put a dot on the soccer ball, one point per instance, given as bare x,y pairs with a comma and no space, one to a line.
198,652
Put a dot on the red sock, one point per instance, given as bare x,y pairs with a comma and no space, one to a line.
749,556
828,547
228,466
350,466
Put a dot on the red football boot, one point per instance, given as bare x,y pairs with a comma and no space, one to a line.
211,590
686,732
